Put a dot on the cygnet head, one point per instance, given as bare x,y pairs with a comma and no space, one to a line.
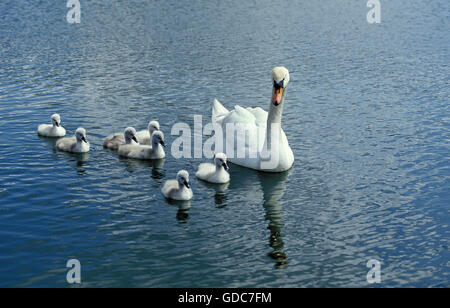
280,78
220,159
130,134
183,178
158,137
80,134
56,120
153,126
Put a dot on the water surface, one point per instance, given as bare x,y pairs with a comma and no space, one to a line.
366,115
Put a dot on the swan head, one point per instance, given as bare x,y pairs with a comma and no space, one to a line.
280,78
158,137
130,134
153,126
56,120
183,178
220,160
80,134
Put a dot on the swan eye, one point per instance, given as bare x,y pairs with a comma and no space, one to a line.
278,85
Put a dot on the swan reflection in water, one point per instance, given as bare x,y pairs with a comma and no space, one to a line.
220,196
157,165
274,186
80,160
183,209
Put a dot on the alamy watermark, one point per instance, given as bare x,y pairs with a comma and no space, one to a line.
374,14
237,140
374,274
74,274
74,14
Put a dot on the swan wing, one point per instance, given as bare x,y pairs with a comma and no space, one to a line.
170,187
219,112
240,116
205,170
136,151
44,129
259,114
143,137
66,144
113,142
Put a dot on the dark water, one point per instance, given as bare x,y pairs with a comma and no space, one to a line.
367,116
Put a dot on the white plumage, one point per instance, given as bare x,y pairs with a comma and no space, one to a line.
261,143
76,144
214,173
144,136
54,130
178,189
155,151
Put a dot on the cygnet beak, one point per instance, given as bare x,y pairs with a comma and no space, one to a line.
277,94
226,166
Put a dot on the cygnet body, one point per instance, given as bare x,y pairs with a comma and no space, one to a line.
76,144
113,142
144,136
214,173
54,130
178,189
154,151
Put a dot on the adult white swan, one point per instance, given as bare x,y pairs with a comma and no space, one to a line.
254,138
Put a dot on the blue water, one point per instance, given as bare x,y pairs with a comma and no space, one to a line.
367,116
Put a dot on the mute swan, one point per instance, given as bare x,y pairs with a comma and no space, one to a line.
113,142
52,130
214,173
144,135
178,189
76,144
264,142
155,151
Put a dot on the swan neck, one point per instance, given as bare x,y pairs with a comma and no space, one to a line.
182,188
220,169
157,147
273,129
275,113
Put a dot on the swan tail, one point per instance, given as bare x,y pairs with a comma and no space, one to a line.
218,111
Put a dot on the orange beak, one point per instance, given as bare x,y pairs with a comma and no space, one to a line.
277,95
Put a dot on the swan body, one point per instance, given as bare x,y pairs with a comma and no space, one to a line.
54,130
178,189
262,143
214,173
113,142
76,144
144,136
154,151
